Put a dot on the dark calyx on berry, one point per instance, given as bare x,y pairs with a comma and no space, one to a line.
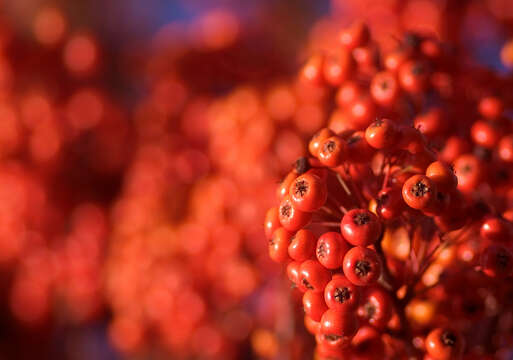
321,250
420,189
362,268
448,338
301,187
306,284
332,337
361,219
369,310
342,294
286,210
301,165
330,146
503,260
353,139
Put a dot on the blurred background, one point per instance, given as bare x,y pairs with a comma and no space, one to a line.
140,145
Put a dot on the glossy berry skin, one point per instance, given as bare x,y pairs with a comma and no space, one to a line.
485,134
360,227
469,171
340,293
491,107
313,276
414,76
332,151
505,149
302,245
278,245
442,175
444,344
495,229
431,123
362,266
348,93
419,192
284,187
315,143
338,327
375,307
384,88
312,326
293,272
497,261
338,67
292,219
356,35
314,305
390,203
272,222
362,111
308,192
382,134
331,249
312,71
367,345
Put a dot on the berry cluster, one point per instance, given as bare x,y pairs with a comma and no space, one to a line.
392,214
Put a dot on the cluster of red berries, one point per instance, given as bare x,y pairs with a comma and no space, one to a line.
395,160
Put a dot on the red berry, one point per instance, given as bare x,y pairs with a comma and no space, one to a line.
414,76
357,35
390,203
497,261
442,175
496,229
314,276
312,326
485,134
358,149
315,143
384,88
362,266
278,245
284,187
340,293
302,245
360,227
419,192
505,149
375,307
382,134
469,171
312,71
314,305
444,344
308,192
332,151
272,222
331,249
491,107
292,219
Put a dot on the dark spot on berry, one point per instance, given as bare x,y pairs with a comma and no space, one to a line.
321,250
362,268
448,338
301,187
329,146
483,153
306,284
466,168
286,210
301,165
342,294
361,219
354,139
369,310
377,123
272,241
411,40
470,307
420,189
418,69
384,85
332,337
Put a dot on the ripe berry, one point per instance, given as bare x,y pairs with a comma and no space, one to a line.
360,227
314,305
367,344
338,327
272,222
357,35
442,175
293,272
331,249
497,261
312,71
431,123
414,76
469,171
444,344
419,192
390,203
284,187
495,229
340,293
491,107
362,111
362,266
382,134
313,276
308,192
315,143
332,151
348,93
338,67
312,326
292,219
485,134
505,149
302,245
375,307
278,245
384,88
